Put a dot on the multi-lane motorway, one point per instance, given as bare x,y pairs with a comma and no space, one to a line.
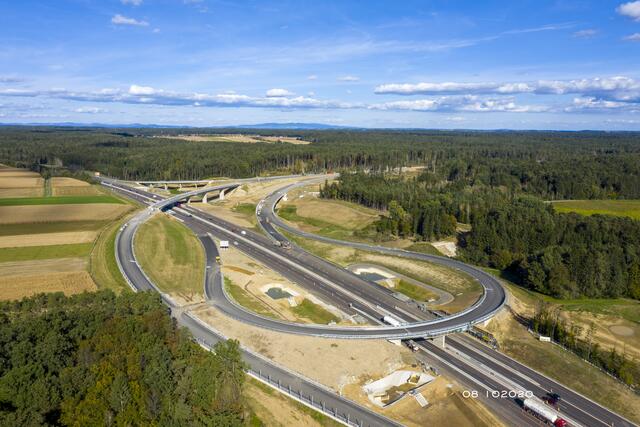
474,364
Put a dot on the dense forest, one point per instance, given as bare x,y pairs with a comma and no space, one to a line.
101,359
497,182
564,255
553,164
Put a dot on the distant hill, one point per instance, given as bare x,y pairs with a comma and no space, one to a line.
298,126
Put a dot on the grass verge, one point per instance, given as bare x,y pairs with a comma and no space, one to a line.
103,266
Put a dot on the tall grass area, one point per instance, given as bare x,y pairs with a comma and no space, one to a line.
103,266
630,208
327,229
413,291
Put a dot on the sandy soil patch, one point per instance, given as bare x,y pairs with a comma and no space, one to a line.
16,287
446,248
57,213
334,363
250,139
38,267
446,406
20,182
20,173
46,239
254,192
22,192
623,331
68,182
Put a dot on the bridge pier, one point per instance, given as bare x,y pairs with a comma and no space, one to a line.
221,196
204,198
439,341
165,187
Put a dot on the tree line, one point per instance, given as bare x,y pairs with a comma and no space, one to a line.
564,255
102,359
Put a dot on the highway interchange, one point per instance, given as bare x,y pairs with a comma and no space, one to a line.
475,365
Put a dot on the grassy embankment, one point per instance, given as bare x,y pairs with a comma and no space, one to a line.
628,208
171,256
245,299
463,287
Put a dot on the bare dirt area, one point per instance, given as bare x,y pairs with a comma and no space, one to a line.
446,247
446,406
20,286
68,182
21,192
243,138
334,363
16,172
20,182
45,239
610,331
59,213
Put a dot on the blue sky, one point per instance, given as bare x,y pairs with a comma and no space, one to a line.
564,64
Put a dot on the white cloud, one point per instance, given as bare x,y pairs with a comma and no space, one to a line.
312,77
593,104
635,37
616,88
90,110
468,103
586,34
141,90
132,2
277,93
630,9
123,20
348,79
10,79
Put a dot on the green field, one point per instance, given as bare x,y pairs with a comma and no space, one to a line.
59,200
314,312
171,255
629,208
325,228
50,227
29,253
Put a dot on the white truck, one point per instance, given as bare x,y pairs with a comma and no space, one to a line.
542,411
224,244
391,321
